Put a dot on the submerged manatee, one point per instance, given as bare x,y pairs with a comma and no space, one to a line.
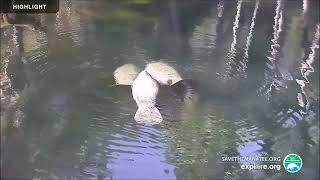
159,91
144,91
125,74
163,73
158,102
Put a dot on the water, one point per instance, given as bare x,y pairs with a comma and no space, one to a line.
256,62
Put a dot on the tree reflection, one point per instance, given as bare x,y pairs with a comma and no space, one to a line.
249,38
232,52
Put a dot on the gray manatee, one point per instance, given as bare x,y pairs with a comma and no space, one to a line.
158,102
126,74
163,73
145,91
159,91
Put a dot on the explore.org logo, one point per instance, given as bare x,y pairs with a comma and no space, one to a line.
292,163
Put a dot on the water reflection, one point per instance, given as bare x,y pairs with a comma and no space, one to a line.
257,64
125,149
276,46
142,158
306,69
249,38
232,53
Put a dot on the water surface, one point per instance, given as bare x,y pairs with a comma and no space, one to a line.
257,64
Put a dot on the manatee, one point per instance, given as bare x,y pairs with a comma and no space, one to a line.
144,91
158,102
125,74
163,73
159,91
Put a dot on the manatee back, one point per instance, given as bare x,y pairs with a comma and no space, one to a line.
145,89
163,73
125,74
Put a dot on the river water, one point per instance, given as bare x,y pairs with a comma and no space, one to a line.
256,63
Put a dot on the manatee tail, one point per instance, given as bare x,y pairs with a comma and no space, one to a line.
148,115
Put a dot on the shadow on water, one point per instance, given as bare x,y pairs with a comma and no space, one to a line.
257,64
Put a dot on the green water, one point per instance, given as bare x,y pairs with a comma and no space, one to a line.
256,62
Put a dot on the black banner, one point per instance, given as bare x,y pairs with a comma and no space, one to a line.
29,6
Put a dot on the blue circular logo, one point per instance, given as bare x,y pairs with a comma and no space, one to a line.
292,163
